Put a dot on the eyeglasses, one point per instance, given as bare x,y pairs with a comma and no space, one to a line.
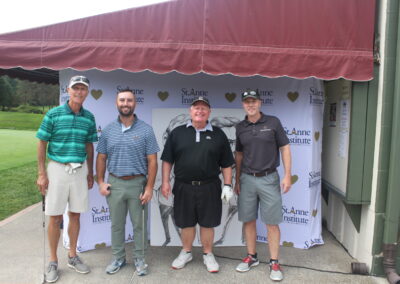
79,79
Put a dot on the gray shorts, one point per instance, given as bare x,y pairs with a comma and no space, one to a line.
265,191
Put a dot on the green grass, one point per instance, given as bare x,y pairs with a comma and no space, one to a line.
18,189
18,171
20,121
17,148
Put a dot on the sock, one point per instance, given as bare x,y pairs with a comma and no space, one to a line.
273,260
253,255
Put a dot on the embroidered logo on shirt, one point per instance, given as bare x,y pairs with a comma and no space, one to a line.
208,137
265,129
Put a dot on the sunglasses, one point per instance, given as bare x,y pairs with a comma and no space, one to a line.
79,79
250,93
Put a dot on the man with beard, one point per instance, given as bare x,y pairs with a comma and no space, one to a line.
130,146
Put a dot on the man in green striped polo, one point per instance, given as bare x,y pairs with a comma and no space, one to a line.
66,135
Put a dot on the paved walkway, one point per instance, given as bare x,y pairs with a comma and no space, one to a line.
21,246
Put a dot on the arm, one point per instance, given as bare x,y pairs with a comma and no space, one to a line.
227,175
238,161
42,180
287,164
90,153
151,178
100,171
166,172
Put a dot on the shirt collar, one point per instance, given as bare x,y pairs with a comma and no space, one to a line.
263,118
208,126
68,109
124,128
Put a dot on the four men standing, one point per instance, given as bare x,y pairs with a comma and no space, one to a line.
198,152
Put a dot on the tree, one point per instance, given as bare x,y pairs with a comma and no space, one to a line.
6,93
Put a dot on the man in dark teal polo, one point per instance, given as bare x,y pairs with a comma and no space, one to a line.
66,134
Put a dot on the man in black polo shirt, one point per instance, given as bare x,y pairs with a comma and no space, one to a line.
199,152
259,138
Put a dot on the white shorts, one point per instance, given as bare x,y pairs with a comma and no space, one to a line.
65,188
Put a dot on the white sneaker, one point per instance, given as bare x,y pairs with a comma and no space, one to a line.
210,262
183,258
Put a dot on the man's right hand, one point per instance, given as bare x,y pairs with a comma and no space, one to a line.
104,188
42,183
166,189
237,188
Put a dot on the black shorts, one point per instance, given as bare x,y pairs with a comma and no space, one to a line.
197,204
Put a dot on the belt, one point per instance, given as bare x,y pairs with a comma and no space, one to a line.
198,182
127,177
262,174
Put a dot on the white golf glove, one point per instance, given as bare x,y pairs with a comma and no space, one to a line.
227,193
71,167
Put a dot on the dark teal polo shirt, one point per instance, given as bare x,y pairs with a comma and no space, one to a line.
67,133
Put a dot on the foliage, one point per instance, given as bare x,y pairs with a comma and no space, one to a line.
6,93
27,93
20,121
30,109
18,189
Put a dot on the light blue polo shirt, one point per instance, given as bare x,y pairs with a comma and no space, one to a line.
127,148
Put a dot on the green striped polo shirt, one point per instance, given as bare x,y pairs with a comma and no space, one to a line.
67,133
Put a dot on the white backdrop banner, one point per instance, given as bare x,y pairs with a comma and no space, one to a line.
163,102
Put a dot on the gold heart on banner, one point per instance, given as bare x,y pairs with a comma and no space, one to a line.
96,94
230,97
314,212
293,96
295,178
287,244
163,95
316,135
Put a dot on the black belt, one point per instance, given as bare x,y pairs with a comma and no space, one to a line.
197,182
262,174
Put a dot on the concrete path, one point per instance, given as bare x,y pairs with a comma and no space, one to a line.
21,261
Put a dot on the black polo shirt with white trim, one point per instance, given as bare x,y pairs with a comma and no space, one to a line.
197,161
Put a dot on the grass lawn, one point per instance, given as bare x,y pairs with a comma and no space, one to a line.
18,171
18,189
17,148
20,121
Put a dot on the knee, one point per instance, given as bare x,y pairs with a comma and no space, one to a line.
56,220
74,217
273,228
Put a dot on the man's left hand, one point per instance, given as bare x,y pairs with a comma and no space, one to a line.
90,181
286,183
227,193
